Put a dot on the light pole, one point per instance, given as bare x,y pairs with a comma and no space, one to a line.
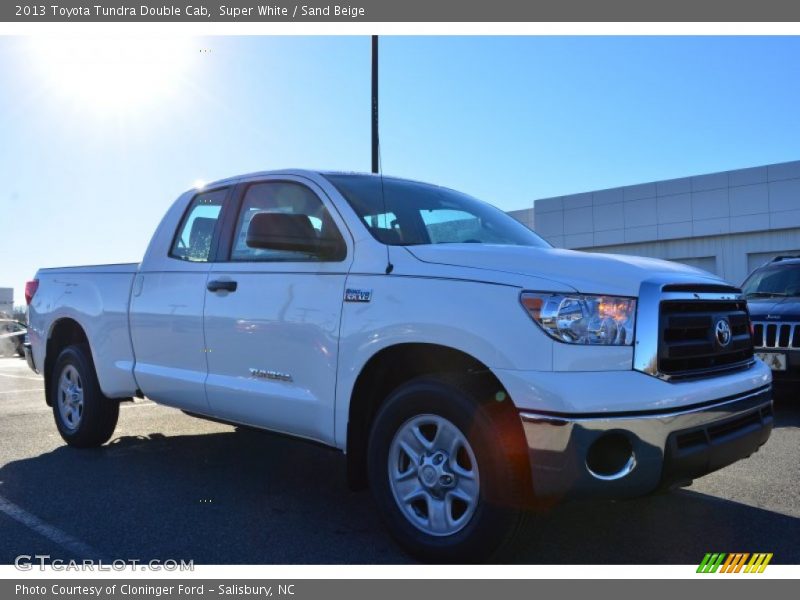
375,143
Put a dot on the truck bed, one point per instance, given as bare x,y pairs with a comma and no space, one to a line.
97,298
109,268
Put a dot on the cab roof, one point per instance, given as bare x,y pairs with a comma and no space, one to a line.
307,172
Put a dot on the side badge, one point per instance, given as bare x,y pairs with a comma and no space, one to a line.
264,374
355,295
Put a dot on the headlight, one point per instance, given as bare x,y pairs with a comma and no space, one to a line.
581,319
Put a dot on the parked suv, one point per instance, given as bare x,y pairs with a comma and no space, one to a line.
773,295
13,336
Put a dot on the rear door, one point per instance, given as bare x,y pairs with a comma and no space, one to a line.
166,313
272,317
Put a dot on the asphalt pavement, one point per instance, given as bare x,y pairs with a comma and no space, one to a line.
169,486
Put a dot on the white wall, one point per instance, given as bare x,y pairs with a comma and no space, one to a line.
729,221
732,256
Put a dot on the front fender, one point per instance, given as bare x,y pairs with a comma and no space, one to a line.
484,321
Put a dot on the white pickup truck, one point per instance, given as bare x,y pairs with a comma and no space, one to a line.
468,370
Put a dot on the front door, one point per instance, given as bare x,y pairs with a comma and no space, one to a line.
272,318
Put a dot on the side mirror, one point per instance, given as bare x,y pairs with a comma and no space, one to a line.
292,232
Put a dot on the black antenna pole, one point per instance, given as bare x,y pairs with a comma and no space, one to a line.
376,147
375,155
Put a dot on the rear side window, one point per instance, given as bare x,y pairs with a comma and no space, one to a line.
196,231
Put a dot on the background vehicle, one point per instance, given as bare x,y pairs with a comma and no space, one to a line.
12,338
466,368
773,295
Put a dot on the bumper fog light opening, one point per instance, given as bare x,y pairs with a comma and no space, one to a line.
610,457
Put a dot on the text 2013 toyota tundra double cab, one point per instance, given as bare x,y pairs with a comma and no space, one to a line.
467,369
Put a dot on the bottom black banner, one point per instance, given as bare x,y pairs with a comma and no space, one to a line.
383,589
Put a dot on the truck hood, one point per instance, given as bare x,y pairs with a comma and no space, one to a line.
586,272
778,309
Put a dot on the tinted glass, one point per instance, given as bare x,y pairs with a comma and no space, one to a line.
196,231
777,280
406,213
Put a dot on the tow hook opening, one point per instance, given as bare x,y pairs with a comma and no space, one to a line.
611,457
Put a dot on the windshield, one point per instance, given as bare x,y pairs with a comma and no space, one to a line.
406,213
778,280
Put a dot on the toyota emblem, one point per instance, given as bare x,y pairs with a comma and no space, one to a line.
723,332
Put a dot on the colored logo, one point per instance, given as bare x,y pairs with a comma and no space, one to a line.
737,562
723,332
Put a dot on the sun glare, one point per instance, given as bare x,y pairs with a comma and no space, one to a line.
107,75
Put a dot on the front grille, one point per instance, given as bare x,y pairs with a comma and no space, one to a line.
776,335
688,344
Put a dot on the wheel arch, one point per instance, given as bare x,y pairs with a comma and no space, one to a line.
64,332
394,365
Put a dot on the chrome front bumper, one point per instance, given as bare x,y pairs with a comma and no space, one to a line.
665,448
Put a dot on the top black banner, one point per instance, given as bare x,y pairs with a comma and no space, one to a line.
404,10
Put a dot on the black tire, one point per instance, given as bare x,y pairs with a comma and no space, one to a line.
97,418
500,520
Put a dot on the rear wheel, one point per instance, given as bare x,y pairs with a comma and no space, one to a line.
446,472
84,416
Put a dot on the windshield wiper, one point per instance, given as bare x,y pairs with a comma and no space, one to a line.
766,295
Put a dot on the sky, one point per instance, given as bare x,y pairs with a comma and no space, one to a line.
99,135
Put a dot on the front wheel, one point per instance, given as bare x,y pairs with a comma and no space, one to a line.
447,471
84,416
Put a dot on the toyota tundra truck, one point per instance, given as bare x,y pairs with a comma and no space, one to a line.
469,371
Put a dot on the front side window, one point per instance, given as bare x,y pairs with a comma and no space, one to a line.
406,213
196,231
309,216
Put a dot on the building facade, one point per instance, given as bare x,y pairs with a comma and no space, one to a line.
7,301
727,223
